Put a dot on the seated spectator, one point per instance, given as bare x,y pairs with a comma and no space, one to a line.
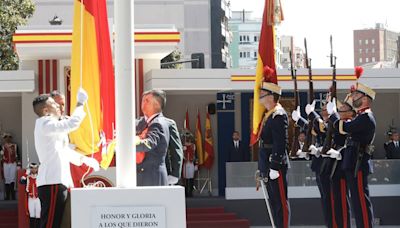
301,139
393,148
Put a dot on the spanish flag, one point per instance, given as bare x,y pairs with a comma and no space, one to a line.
266,57
208,145
199,141
94,73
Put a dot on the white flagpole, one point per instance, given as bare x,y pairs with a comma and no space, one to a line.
125,94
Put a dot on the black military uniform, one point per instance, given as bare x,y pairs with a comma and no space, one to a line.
356,160
273,156
340,196
321,167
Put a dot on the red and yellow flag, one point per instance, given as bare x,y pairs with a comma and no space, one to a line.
208,145
266,57
199,141
95,74
186,122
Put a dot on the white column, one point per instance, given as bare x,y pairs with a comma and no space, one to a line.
125,96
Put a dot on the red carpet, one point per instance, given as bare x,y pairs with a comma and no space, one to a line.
213,217
8,218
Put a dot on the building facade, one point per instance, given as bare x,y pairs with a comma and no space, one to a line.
221,37
374,45
246,35
287,45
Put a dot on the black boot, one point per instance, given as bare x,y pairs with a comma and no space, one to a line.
32,223
37,222
7,189
12,190
190,187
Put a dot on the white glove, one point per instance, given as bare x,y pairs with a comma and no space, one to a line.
172,180
331,107
334,154
296,114
301,154
91,162
310,108
82,96
315,151
273,174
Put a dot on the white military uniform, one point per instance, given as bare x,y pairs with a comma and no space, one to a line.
53,150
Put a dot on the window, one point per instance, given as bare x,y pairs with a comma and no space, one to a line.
373,50
359,42
372,41
240,38
366,60
366,51
255,38
360,60
255,54
366,41
248,54
360,51
373,59
240,55
248,38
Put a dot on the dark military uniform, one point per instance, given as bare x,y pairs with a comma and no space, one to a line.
152,171
273,155
356,162
174,157
339,193
322,167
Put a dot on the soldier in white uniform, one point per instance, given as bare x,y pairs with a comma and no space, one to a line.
54,177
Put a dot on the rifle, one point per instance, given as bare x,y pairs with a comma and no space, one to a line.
330,132
309,137
296,132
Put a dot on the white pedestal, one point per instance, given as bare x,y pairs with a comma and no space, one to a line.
135,207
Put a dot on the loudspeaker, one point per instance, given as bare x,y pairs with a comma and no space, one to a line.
211,108
200,60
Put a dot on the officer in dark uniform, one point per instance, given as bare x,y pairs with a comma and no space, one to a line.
321,171
339,194
273,160
152,140
174,157
356,160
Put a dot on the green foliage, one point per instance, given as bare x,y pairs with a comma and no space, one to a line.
172,57
13,13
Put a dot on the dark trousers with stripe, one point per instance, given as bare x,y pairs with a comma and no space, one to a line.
324,187
340,203
52,199
277,192
360,200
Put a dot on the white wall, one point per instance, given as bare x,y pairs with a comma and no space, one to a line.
28,117
10,117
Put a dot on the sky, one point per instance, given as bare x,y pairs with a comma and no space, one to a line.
316,20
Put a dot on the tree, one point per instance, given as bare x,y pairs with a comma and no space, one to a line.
13,13
172,57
